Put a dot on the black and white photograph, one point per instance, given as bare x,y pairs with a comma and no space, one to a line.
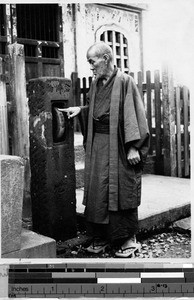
80,180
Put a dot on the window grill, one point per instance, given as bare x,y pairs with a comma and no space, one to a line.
119,44
2,20
2,30
38,22
30,50
50,52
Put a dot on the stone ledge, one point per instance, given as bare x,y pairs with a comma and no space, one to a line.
34,245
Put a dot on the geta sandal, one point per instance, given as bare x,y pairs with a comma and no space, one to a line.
97,247
129,251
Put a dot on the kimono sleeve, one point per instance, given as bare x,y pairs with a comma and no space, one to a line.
135,122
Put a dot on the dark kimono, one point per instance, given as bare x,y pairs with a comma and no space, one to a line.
116,121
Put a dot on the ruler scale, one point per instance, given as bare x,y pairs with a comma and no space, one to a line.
100,280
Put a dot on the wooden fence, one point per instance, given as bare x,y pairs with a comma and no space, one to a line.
167,108
168,115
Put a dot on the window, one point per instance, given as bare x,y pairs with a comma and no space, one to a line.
2,30
38,22
119,44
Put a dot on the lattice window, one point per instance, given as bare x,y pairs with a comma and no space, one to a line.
38,22
2,30
119,44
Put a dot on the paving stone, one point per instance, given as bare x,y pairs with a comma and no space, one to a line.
183,225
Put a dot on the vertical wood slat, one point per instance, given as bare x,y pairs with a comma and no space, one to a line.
4,139
14,23
84,91
168,123
75,95
39,56
140,83
90,81
149,109
178,132
186,131
8,23
157,115
60,39
166,139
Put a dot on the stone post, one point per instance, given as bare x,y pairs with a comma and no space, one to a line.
11,195
52,158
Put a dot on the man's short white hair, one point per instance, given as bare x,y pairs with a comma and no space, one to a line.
101,48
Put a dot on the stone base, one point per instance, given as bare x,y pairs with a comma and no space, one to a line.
34,245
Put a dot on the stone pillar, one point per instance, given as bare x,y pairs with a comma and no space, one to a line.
11,187
52,158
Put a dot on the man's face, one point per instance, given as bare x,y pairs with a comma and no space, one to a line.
97,65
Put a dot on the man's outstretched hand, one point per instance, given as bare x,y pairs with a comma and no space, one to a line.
71,111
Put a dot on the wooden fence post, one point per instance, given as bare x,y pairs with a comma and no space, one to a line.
178,132
4,139
158,129
170,166
76,95
20,116
186,130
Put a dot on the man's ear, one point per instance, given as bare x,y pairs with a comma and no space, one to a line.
106,57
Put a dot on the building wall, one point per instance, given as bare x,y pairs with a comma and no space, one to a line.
82,26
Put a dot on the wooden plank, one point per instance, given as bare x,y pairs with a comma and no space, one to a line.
84,90
157,115
1,66
149,108
50,61
26,41
20,115
140,83
76,96
168,123
152,86
50,70
90,81
60,32
39,56
14,23
4,138
178,131
8,23
186,130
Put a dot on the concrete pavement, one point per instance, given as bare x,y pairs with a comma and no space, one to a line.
164,201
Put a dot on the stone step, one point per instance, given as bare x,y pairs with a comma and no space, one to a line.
164,201
33,245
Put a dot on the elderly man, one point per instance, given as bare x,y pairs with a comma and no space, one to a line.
117,143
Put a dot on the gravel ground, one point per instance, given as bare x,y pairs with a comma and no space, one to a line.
169,244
